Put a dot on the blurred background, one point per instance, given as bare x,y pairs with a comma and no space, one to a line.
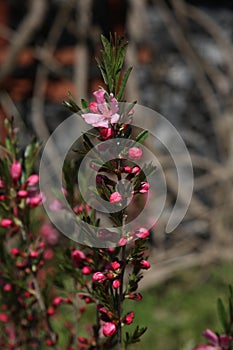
182,55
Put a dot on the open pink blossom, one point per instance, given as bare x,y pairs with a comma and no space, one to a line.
221,342
106,113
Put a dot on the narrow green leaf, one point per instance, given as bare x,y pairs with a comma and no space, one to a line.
123,84
222,314
142,136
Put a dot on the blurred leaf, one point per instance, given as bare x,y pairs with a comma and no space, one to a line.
222,314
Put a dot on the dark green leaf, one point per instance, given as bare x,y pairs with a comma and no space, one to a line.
222,314
123,84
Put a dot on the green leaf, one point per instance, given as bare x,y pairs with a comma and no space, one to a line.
142,136
84,104
222,314
106,45
123,84
71,104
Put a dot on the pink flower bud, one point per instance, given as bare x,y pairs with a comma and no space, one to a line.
122,241
145,186
135,153
128,319
93,107
7,287
3,318
115,197
225,341
6,223
57,301
33,255
22,194
106,134
48,254
32,180
15,251
50,234
78,256
127,169
142,233
15,170
50,311
135,296
144,264
136,170
115,265
33,202
116,284
86,270
109,329
98,277
1,184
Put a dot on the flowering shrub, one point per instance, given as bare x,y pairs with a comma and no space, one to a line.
44,276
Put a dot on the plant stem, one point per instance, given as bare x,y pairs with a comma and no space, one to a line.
120,294
43,309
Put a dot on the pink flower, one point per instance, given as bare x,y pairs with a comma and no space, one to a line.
106,114
206,347
100,96
144,264
56,205
15,251
34,201
50,234
128,319
116,284
78,256
6,223
115,197
3,318
106,134
142,233
135,296
135,153
48,254
127,169
7,287
1,184
109,329
15,170
22,194
34,254
57,301
136,170
93,106
115,265
98,277
32,180
145,186
221,342
122,241
86,270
